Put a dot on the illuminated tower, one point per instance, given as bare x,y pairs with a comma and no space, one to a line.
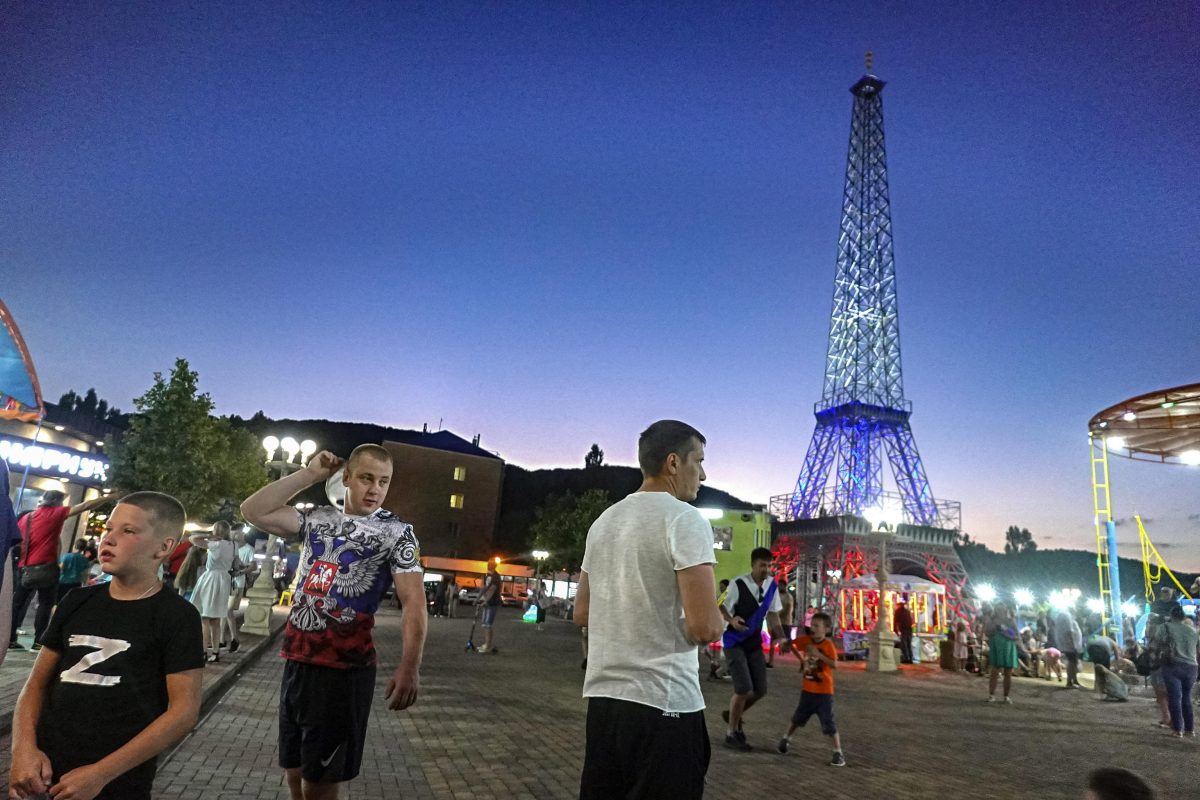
862,413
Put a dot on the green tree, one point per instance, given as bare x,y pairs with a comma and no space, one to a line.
1018,540
175,445
561,524
594,457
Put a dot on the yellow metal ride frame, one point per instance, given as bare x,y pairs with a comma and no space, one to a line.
1102,508
1153,575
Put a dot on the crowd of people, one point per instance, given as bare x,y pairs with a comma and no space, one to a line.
135,649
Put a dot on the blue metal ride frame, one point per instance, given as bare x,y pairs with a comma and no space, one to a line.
862,406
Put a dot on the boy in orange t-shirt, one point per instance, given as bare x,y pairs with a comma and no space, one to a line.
818,660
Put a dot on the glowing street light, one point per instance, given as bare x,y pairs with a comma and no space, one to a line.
541,555
1061,600
986,592
270,444
1131,610
1024,597
1095,605
290,447
307,448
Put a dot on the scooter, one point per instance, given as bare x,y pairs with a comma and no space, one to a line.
471,636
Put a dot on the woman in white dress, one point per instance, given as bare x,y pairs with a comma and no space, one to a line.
243,566
211,595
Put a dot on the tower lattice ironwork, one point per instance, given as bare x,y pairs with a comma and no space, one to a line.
863,413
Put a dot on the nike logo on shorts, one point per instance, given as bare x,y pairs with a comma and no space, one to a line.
325,762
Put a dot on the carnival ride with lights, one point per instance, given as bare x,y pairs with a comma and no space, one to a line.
20,399
823,533
1161,426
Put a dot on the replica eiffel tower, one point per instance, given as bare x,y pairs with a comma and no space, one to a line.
863,414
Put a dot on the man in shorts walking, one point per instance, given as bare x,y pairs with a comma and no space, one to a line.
348,560
646,596
752,598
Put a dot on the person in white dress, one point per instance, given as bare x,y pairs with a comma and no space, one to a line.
243,566
211,595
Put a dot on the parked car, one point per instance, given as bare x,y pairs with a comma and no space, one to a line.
468,594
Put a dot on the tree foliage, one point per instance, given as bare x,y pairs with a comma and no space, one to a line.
90,405
594,457
1018,540
561,525
175,445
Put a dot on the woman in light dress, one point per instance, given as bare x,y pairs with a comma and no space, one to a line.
243,566
211,595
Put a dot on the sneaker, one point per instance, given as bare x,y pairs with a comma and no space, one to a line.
234,645
838,760
483,649
15,646
782,747
991,698
737,740
1008,701
36,646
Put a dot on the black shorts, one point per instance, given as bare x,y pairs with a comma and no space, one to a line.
748,668
819,704
323,720
637,752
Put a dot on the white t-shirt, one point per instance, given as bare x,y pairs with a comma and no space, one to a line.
638,648
731,597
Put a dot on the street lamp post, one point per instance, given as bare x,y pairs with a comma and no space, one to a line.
261,596
881,640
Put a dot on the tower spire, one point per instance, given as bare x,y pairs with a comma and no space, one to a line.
870,60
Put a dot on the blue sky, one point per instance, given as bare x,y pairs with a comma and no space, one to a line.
551,224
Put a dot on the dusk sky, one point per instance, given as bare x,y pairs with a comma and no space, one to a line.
551,224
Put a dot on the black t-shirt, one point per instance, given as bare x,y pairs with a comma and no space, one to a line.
114,658
493,580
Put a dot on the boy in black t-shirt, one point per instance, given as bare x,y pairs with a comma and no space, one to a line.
125,652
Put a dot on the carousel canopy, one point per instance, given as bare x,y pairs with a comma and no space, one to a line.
20,395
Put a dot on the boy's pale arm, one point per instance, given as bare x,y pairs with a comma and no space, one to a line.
405,683
31,769
268,510
183,710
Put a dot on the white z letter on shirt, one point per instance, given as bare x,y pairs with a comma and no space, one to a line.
106,649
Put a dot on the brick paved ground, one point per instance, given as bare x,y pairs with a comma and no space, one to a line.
511,726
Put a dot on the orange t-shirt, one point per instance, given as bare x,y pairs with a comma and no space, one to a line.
818,676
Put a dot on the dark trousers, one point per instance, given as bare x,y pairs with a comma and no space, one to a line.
637,752
1180,678
906,647
22,598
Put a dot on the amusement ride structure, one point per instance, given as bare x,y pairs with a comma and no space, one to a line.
1163,427
863,415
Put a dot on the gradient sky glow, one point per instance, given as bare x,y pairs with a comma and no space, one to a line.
554,223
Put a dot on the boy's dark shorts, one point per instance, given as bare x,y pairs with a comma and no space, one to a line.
637,752
323,720
819,704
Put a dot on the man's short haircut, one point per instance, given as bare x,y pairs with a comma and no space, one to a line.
1176,612
761,554
53,498
372,450
168,513
1114,783
821,615
663,438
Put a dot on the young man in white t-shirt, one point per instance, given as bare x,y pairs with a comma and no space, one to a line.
645,596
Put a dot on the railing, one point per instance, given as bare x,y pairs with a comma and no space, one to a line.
833,505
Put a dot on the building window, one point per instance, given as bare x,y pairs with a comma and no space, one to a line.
456,501
460,473
722,538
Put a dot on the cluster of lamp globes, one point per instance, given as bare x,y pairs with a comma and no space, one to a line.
290,448
1059,599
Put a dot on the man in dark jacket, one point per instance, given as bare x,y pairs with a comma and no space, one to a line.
902,621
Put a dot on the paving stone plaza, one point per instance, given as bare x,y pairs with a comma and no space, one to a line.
510,727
